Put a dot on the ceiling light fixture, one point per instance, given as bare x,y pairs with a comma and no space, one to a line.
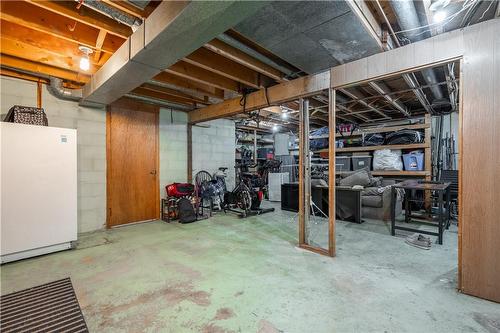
284,115
275,128
439,16
85,61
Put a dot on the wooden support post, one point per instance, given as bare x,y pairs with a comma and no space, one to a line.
190,153
331,172
39,94
306,159
302,228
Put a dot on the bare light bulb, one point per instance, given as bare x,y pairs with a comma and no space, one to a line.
284,115
439,16
85,63
275,128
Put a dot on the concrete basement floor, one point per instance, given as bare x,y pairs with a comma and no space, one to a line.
230,275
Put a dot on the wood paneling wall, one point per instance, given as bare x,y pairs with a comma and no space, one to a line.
480,200
478,47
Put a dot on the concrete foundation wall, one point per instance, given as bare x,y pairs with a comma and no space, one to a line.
173,148
214,145
91,136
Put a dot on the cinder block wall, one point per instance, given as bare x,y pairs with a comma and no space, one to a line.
214,145
173,148
91,136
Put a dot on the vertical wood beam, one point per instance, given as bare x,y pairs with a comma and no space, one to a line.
190,153
331,172
306,167
39,94
302,229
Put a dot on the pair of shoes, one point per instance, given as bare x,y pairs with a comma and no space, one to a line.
420,241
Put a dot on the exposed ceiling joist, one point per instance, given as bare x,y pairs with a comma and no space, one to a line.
382,89
201,75
55,25
175,93
358,98
22,76
185,25
162,96
189,86
53,56
301,87
86,16
217,64
244,59
43,69
126,7
98,44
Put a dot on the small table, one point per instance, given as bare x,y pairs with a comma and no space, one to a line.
440,188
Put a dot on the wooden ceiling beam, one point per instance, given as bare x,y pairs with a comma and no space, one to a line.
194,87
278,94
98,44
217,64
244,59
126,7
84,15
44,69
204,76
22,76
35,46
55,25
162,96
174,92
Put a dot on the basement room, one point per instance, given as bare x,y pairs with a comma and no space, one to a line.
250,166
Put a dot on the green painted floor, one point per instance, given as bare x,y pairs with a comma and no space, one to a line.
245,275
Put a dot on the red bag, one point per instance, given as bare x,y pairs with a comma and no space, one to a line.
179,190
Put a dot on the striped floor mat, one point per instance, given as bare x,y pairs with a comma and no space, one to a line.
51,307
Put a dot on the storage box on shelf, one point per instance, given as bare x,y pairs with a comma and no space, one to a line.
367,150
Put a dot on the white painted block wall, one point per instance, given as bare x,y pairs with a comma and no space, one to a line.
173,148
91,131
214,145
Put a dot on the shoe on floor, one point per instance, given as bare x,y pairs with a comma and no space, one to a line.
420,241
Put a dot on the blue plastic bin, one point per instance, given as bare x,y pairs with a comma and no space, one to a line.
414,161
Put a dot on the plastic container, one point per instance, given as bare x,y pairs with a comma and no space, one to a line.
361,162
413,161
343,163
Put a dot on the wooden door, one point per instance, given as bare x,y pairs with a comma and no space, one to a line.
132,163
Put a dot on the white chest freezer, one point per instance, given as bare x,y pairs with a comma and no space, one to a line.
38,198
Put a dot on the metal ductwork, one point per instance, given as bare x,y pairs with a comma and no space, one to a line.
114,13
251,52
407,17
57,90
186,24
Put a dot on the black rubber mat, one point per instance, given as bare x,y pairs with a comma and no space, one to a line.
51,307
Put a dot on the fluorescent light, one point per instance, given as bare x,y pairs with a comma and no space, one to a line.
439,16
85,63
